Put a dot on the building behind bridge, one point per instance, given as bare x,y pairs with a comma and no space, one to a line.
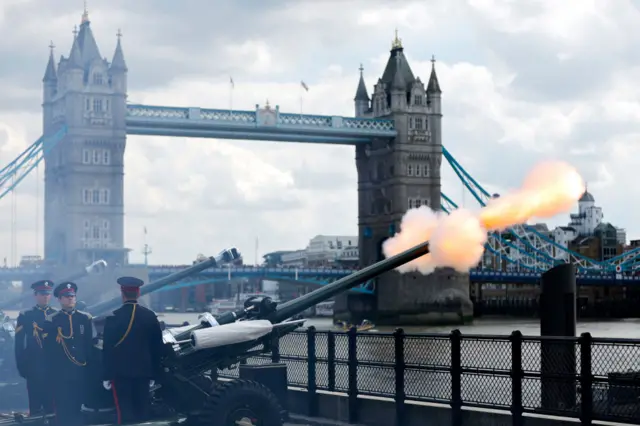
586,234
322,251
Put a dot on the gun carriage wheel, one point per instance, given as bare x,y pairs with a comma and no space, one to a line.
239,402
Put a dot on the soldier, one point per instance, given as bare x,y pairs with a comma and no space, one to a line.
98,406
132,350
68,345
30,356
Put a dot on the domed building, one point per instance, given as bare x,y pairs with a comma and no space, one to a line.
587,234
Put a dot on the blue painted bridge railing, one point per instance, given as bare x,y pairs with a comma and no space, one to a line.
262,124
325,275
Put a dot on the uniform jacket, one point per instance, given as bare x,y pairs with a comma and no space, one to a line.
29,341
96,396
69,343
132,344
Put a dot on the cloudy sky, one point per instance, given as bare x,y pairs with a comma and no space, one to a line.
522,81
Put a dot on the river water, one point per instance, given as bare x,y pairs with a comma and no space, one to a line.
626,328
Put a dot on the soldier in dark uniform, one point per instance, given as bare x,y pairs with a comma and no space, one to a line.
98,406
132,350
68,345
30,356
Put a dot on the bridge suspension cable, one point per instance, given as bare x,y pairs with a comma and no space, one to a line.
539,251
15,172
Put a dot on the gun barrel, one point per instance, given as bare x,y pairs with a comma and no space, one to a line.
107,305
299,305
224,256
95,267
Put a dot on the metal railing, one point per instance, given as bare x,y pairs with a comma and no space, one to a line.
584,377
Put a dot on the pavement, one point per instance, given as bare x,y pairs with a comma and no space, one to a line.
297,420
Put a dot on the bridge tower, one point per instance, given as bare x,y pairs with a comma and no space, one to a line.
84,208
394,176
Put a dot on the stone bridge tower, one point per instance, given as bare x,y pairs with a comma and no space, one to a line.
84,208
397,175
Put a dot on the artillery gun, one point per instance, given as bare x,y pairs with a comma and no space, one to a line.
188,389
96,267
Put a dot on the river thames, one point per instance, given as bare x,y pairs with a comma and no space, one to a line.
626,328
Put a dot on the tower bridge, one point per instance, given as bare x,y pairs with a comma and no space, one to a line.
397,138
322,276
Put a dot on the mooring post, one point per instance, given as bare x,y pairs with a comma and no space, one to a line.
558,320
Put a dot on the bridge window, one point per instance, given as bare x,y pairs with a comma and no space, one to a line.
98,79
87,104
96,156
409,170
417,99
418,170
86,196
86,156
414,203
425,170
95,196
418,123
410,123
95,234
97,105
106,157
104,199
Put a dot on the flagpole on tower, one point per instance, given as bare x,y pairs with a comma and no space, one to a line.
146,250
232,86
303,88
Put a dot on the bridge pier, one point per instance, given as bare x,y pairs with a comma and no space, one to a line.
402,299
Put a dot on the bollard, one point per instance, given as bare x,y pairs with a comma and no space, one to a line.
558,319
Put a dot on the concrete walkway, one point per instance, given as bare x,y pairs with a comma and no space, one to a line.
296,420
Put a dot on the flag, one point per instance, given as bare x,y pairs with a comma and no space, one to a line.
233,85
304,85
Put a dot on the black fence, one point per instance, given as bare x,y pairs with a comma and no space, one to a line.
583,377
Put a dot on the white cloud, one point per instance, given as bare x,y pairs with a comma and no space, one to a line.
521,81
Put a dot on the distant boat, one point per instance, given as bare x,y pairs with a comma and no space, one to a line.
219,307
365,325
324,309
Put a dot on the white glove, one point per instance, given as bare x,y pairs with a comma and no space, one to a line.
151,383
107,384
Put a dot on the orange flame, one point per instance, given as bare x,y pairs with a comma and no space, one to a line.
551,188
457,240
